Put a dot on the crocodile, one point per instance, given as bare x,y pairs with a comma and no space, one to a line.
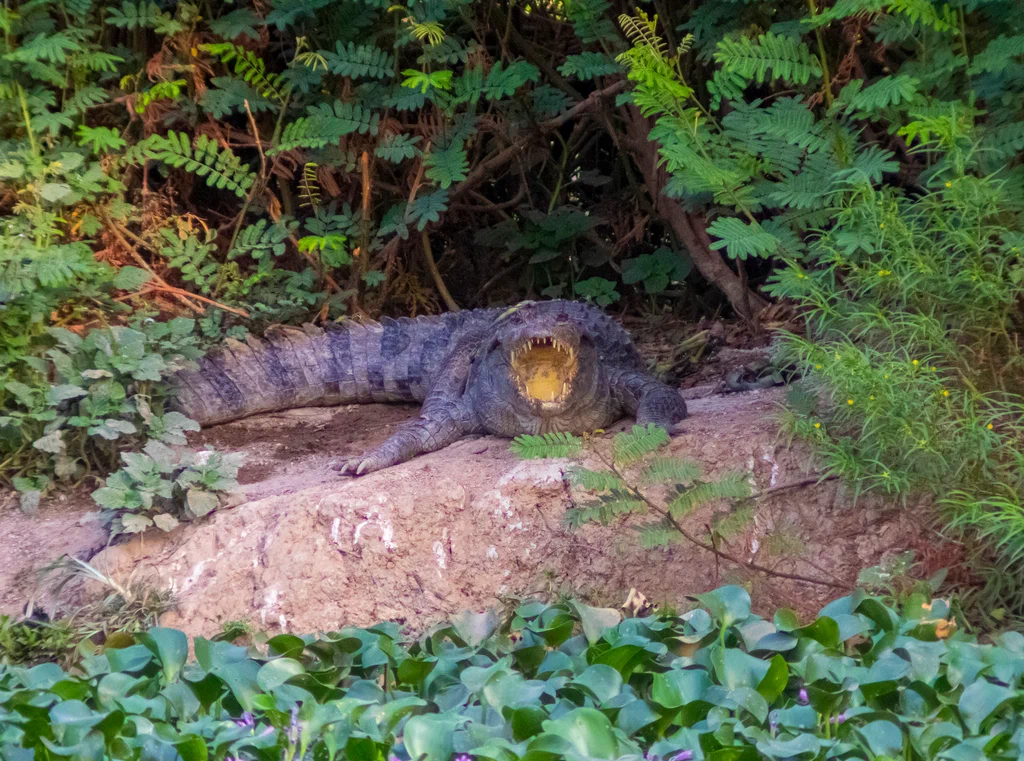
535,368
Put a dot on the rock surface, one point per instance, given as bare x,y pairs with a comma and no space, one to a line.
471,525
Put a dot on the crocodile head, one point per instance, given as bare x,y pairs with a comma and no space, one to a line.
541,371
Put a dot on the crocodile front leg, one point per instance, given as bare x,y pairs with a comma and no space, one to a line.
649,400
445,418
432,430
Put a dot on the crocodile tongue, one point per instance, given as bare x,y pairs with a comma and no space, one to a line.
544,370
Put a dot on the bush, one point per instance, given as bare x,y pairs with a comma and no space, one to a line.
913,372
862,680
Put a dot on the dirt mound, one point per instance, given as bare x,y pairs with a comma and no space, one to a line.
465,527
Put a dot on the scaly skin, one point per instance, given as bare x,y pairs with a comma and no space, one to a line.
458,366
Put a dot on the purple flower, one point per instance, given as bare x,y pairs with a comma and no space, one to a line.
802,697
293,729
246,720
463,757
837,720
685,755
773,721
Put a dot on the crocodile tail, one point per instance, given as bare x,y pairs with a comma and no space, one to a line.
351,363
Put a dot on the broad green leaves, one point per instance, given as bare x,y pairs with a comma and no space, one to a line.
573,682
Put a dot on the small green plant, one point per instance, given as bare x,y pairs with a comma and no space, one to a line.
107,393
157,486
234,630
31,642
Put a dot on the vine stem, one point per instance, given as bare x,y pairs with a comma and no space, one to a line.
710,547
826,78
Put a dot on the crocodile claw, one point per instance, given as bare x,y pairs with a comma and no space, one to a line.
359,466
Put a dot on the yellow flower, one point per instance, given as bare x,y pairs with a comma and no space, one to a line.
871,398
885,474
933,368
886,377
817,367
945,393
817,425
881,226
915,362
989,426
884,273
949,184
849,401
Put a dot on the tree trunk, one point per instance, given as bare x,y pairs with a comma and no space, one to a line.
691,229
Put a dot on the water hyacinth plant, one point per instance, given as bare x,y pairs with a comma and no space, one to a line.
863,680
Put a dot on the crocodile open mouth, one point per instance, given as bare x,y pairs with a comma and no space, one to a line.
544,369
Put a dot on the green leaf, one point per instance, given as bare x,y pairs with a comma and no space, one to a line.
596,621
883,738
273,674
728,605
674,689
429,737
775,680
603,682
741,239
980,701
170,646
55,191
201,502
130,278
589,732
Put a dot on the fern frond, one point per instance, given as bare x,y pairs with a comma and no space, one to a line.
671,470
431,31
259,242
546,445
998,55
657,535
397,148
728,524
140,15
219,166
448,165
87,97
309,186
628,448
595,480
869,165
325,126
642,31
887,91
783,57
250,68
605,509
502,82
729,486
590,22
356,61
1004,141
589,65
740,239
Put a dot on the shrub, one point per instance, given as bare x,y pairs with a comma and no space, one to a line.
863,680
913,372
